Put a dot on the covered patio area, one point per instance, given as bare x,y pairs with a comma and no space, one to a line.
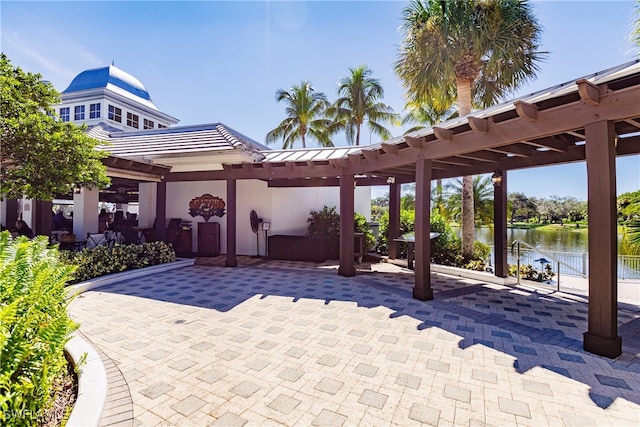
592,119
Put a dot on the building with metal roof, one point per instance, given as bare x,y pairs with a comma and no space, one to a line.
113,96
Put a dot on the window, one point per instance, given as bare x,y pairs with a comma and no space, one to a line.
78,112
115,114
132,120
148,124
64,114
161,126
94,111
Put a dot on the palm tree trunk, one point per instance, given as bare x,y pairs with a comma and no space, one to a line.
358,135
439,195
468,215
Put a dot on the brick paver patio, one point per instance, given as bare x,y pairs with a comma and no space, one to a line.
282,343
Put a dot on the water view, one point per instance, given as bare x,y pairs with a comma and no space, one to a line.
572,244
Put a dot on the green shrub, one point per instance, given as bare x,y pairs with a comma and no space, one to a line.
446,249
327,223
407,225
324,223
529,273
102,260
362,226
34,327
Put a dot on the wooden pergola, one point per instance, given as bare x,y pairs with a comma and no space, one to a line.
593,119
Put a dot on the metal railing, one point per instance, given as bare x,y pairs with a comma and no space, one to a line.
629,266
518,253
569,263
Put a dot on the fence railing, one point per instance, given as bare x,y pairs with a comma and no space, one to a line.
572,263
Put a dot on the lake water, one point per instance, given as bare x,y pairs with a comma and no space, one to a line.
557,241
550,240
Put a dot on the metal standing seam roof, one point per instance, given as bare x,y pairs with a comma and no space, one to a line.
556,91
304,154
173,141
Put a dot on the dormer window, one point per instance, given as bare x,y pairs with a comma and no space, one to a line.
148,124
78,112
132,120
94,111
115,114
64,114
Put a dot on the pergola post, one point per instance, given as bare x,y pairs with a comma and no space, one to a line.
11,213
231,260
44,211
422,288
602,336
393,229
161,211
346,268
500,224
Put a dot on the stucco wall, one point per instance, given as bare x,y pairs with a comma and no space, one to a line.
287,209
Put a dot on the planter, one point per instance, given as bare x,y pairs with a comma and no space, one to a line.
301,248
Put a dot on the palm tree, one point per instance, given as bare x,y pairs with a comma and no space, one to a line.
358,102
482,50
305,111
482,199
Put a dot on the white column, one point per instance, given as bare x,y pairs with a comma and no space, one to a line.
147,204
27,210
85,213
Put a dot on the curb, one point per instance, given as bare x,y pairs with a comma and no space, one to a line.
92,377
92,383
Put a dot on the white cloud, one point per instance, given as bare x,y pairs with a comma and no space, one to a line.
57,57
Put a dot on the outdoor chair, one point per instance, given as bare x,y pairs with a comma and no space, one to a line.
108,238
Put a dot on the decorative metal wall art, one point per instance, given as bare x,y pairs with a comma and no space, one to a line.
206,206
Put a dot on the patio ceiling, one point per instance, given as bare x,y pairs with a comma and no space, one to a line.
544,128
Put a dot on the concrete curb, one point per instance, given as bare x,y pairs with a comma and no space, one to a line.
92,383
92,377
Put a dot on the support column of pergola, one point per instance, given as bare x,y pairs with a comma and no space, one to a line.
393,228
422,288
602,336
43,223
347,267
231,260
161,211
501,268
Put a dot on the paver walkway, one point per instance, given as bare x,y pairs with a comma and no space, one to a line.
282,343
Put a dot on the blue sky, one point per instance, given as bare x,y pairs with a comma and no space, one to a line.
211,61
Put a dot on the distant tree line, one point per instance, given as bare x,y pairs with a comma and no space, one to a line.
520,207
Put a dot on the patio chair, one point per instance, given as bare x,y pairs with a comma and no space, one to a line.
96,239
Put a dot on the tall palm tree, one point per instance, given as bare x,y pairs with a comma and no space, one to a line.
481,49
305,109
358,103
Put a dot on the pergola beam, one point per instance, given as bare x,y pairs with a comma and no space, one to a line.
589,92
442,134
552,145
413,142
390,148
478,124
526,111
